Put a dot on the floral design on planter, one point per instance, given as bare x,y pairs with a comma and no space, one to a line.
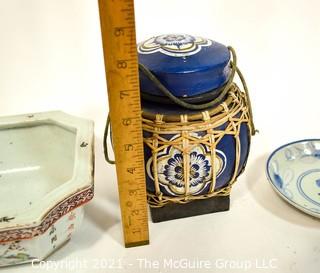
53,236
14,253
6,219
175,45
171,169
84,144
72,216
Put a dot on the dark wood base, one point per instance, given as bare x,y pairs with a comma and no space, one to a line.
197,207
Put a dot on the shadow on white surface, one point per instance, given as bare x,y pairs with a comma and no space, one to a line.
104,212
100,217
104,222
259,187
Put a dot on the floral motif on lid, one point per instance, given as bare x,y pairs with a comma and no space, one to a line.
175,45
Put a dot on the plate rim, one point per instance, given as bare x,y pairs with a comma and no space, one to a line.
296,205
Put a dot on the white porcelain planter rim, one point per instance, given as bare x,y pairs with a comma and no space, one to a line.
66,197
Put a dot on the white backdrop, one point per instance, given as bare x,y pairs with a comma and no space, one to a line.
51,59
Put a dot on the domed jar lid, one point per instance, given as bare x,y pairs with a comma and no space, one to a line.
187,66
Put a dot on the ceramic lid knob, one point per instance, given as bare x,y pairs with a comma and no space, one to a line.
186,65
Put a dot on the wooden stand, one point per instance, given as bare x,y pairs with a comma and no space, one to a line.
198,207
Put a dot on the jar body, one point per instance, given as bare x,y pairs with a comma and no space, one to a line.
188,160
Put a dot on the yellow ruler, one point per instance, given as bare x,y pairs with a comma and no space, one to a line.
121,61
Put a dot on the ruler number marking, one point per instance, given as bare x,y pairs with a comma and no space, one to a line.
122,64
131,170
124,94
136,230
133,192
135,212
118,31
127,121
128,147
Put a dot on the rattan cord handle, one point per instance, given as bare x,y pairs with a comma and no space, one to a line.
212,103
105,141
192,106
176,100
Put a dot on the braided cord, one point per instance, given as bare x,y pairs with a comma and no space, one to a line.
234,70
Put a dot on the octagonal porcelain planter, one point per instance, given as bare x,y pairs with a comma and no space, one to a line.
46,176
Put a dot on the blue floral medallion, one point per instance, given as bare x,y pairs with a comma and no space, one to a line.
171,171
199,169
175,45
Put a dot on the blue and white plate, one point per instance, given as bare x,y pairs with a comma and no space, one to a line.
294,172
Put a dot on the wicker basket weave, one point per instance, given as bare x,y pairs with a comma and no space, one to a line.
216,123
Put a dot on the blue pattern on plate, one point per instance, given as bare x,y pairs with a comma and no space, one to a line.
305,194
307,154
278,180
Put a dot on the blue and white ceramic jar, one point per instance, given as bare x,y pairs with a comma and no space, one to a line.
197,123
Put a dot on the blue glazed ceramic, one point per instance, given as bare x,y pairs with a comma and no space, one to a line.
294,172
171,166
188,66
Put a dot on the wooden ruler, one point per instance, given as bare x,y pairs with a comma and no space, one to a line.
121,60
